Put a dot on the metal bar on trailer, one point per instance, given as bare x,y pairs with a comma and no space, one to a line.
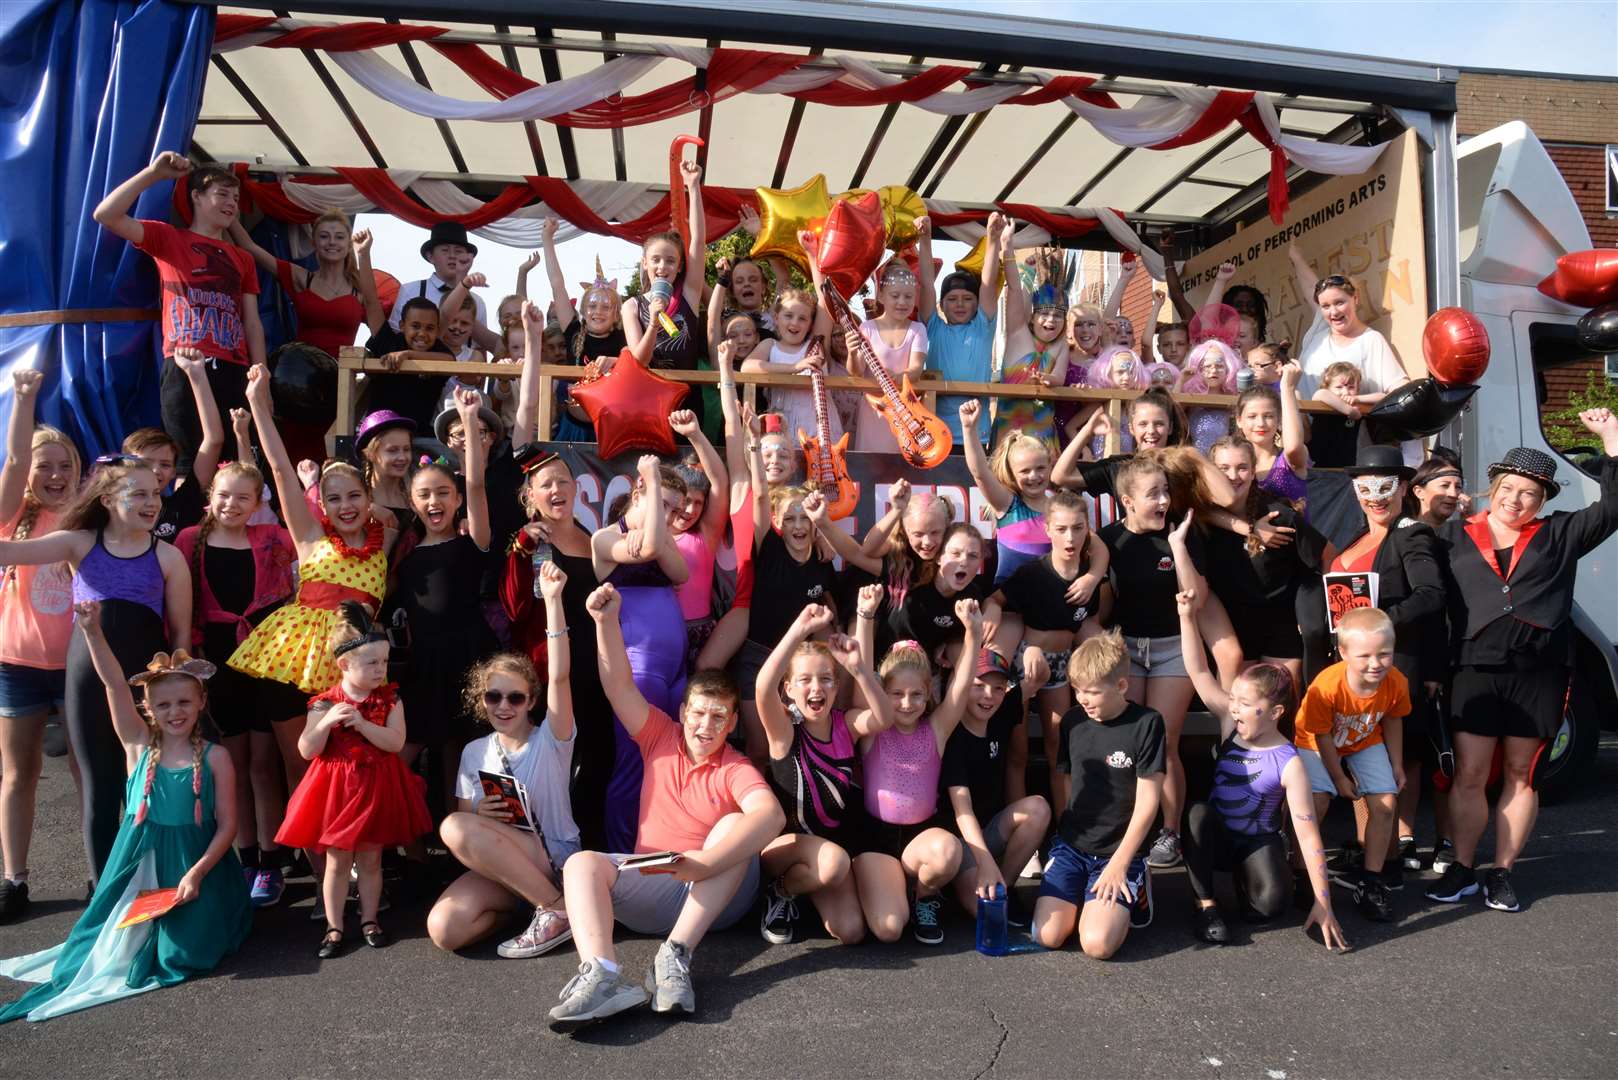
508,56
552,69
253,102
419,73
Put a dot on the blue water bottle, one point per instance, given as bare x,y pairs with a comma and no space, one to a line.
992,923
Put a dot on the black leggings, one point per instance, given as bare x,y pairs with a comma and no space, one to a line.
135,632
1258,863
229,384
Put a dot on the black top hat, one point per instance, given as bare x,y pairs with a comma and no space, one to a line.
1533,464
448,232
1380,461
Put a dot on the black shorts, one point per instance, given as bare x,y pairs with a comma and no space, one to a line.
887,839
1262,632
240,703
1508,703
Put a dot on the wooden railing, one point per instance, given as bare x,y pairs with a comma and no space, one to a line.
353,361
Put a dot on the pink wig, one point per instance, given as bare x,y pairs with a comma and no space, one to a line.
1100,373
1196,384
1163,373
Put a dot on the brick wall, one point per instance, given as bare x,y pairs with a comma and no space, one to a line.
1572,110
1584,169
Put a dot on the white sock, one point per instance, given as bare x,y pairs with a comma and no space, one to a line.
609,966
19,878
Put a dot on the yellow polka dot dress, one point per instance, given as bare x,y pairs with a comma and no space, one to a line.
293,644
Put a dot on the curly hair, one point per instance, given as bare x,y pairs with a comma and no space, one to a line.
516,665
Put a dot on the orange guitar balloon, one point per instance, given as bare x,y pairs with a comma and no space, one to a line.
924,440
825,463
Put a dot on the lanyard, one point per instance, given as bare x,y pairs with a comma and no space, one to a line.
505,767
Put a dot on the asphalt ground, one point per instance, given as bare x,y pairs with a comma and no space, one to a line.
1444,991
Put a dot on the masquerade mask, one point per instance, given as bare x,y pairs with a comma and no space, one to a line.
1375,488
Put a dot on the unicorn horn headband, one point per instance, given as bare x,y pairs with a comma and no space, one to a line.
600,284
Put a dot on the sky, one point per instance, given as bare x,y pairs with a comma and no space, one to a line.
1572,36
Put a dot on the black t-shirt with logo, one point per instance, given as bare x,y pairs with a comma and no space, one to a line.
1143,568
782,587
182,509
1039,594
928,616
1105,758
978,762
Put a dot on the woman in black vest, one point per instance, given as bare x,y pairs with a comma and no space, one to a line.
1511,608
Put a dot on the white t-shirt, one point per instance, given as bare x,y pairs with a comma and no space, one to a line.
434,291
1370,352
543,765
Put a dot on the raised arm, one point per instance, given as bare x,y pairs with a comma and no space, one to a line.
126,719
715,510
813,619
1171,275
25,384
814,504
617,678
949,713
1186,574
524,427
1196,663
561,303
737,434
875,543
195,367
1066,472
996,494
300,522
113,212
926,289
1221,282
558,653
989,287
1304,275
716,305
1016,299
866,607
374,315
523,269
696,249
467,402
1294,438
456,298
1115,299
265,259
1148,334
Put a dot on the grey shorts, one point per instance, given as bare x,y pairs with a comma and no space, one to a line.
996,835
650,903
1155,658
1056,660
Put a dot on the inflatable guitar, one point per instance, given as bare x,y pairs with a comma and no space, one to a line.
924,441
824,462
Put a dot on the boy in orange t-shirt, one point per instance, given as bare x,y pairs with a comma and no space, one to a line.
1350,738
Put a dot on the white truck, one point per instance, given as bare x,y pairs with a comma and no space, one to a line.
1516,218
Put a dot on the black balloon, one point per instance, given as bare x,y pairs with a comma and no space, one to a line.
1598,329
303,384
1416,409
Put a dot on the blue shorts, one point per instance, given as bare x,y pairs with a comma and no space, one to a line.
1068,868
25,690
1370,768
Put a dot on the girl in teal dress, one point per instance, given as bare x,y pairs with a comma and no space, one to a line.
179,822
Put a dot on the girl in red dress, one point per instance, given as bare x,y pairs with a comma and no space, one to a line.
357,797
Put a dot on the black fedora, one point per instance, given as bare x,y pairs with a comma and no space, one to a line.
448,232
1380,461
1536,465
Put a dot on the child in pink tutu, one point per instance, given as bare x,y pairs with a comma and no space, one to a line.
357,797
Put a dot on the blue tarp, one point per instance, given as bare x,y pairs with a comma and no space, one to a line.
90,92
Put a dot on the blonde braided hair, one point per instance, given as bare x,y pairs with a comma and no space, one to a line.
196,773
153,752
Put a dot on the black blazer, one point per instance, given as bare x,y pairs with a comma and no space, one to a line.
1410,588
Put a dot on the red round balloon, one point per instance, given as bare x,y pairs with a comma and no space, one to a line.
1584,278
1456,346
630,407
852,242
387,289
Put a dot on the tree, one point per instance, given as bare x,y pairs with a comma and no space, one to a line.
1562,428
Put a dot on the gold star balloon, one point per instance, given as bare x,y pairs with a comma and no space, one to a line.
782,213
973,262
900,209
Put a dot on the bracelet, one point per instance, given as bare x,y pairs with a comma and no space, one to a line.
864,615
556,633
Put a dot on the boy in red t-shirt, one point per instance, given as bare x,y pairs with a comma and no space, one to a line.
1350,736
206,281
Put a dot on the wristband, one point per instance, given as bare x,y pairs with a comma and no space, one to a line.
723,280
556,633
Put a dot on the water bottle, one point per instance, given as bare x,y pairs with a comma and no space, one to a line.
542,555
992,923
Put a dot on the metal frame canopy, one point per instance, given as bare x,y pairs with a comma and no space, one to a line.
279,112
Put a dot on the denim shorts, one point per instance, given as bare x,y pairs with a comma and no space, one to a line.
25,690
1155,658
1071,874
1370,768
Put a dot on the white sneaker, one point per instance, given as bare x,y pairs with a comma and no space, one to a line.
593,994
546,931
669,980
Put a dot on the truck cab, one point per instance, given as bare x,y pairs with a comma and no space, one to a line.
1517,218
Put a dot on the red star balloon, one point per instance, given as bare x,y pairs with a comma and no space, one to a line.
630,407
852,242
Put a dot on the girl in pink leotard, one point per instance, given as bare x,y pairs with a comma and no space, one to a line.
699,527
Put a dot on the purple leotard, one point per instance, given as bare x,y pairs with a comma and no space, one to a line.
1247,789
1282,482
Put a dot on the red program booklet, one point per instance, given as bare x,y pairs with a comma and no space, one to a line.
150,904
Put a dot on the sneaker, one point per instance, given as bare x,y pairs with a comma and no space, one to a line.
546,931
1373,900
1497,890
1392,875
1166,852
1034,870
268,885
594,994
1457,883
1409,855
1443,856
924,925
1140,910
1345,867
250,876
780,915
669,980
13,898
1211,926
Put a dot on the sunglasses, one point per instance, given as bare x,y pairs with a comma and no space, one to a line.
119,459
517,698
1332,281
1375,487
